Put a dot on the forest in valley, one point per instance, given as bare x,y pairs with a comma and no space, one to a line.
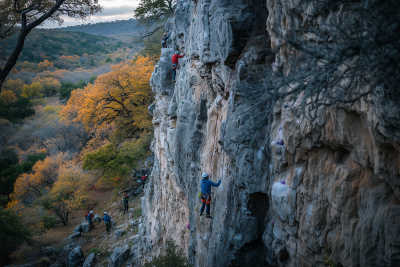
73,123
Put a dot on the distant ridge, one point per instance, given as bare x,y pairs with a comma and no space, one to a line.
118,28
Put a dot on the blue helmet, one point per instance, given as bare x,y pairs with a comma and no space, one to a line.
176,52
205,174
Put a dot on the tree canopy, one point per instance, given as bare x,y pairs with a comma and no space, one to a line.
27,15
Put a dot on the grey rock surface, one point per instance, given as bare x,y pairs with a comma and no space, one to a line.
340,171
120,255
78,229
76,257
97,218
90,260
118,233
75,235
85,227
56,264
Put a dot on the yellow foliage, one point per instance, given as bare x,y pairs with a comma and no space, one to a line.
8,97
49,84
120,97
15,86
70,57
71,187
32,91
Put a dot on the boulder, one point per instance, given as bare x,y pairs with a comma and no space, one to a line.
75,235
78,229
90,260
120,255
134,223
113,224
118,233
97,218
76,257
85,227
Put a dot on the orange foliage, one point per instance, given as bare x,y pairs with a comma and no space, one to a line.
45,65
43,176
120,97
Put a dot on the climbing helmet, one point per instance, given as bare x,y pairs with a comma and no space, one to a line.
205,174
177,52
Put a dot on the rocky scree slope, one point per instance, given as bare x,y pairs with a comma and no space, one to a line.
340,171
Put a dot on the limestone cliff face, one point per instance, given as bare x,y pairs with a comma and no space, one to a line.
335,181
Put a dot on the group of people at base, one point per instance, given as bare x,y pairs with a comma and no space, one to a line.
106,219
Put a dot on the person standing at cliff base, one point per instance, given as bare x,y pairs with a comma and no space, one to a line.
206,194
89,218
107,221
125,199
175,63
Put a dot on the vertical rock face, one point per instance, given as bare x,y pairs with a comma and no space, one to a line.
328,183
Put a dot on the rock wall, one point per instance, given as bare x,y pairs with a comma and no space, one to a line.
333,182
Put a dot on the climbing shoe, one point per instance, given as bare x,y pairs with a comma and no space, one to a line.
201,214
208,216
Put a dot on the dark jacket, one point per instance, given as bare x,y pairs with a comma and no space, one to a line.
206,185
165,38
106,218
89,217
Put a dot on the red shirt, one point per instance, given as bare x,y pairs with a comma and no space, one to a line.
175,58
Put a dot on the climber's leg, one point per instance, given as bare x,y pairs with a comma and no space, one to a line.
208,208
173,78
202,207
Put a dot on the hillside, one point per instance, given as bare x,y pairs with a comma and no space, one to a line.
63,52
50,44
119,28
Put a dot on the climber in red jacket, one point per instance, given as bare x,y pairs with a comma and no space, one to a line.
175,63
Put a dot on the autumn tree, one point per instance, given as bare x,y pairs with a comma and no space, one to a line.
8,97
50,85
70,191
14,86
43,176
29,14
152,15
10,173
45,65
32,91
120,97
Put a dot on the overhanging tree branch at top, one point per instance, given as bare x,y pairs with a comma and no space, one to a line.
152,15
19,15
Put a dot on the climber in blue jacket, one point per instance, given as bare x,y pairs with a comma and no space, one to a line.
206,193
164,40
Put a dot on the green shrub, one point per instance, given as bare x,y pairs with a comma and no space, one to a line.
49,222
108,59
173,257
95,251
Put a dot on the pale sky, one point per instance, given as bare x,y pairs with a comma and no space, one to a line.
112,10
